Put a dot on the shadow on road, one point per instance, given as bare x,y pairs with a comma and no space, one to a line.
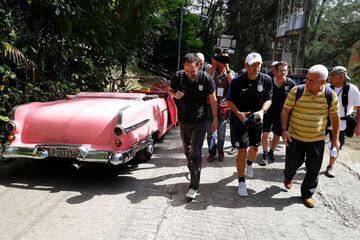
54,175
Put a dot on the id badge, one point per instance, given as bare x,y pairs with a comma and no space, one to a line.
220,92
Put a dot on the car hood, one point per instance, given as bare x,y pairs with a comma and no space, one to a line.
76,121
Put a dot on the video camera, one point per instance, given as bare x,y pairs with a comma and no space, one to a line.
252,121
221,55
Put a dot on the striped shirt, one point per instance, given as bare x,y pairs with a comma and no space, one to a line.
309,115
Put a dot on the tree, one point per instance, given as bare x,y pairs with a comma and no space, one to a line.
336,31
159,51
253,25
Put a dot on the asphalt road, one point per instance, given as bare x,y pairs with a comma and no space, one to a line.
45,199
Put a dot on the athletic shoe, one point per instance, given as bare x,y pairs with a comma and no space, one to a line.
242,191
232,151
191,193
263,161
249,172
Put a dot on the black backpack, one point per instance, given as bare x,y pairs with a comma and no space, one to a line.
344,97
351,119
328,94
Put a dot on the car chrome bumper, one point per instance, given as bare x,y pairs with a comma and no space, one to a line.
84,154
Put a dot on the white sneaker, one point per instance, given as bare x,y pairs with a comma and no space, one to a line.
191,193
242,191
249,172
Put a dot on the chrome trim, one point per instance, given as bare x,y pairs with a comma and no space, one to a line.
130,128
10,126
120,114
121,128
135,126
85,155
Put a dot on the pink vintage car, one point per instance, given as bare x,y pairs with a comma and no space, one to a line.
103,127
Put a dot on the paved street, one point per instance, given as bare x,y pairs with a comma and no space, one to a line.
45,199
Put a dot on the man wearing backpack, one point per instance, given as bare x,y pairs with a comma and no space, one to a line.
304,137
349,98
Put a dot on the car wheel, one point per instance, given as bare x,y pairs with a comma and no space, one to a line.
145,154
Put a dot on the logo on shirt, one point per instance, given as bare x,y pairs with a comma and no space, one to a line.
259,88
201,87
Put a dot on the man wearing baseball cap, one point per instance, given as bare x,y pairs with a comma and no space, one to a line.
249,97
339,82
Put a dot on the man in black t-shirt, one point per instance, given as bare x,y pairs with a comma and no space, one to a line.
281,88
249,98
192,89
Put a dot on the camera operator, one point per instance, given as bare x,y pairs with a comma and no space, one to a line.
249,98
222,76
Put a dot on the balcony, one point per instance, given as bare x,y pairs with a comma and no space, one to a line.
292,25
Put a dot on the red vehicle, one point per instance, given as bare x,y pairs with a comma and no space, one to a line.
103,127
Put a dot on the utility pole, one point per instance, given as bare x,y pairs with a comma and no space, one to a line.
180,35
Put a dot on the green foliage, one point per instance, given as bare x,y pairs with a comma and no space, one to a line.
161,42
252,23
334,33
72,44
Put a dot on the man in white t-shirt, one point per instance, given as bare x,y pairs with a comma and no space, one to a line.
338,78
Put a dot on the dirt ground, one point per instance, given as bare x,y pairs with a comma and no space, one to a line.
353,143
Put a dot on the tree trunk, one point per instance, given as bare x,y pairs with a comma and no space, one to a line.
300,55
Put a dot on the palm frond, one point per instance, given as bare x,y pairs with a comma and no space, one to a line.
13,55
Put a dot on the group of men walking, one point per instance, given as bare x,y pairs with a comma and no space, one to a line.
260,104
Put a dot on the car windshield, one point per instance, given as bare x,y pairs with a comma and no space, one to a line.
141,83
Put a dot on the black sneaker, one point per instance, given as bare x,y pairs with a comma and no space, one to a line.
232,151
271,159
330,172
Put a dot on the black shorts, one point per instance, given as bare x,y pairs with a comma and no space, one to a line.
341,137
271,124
242,137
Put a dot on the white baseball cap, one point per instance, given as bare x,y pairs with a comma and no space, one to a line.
274,63
252,58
